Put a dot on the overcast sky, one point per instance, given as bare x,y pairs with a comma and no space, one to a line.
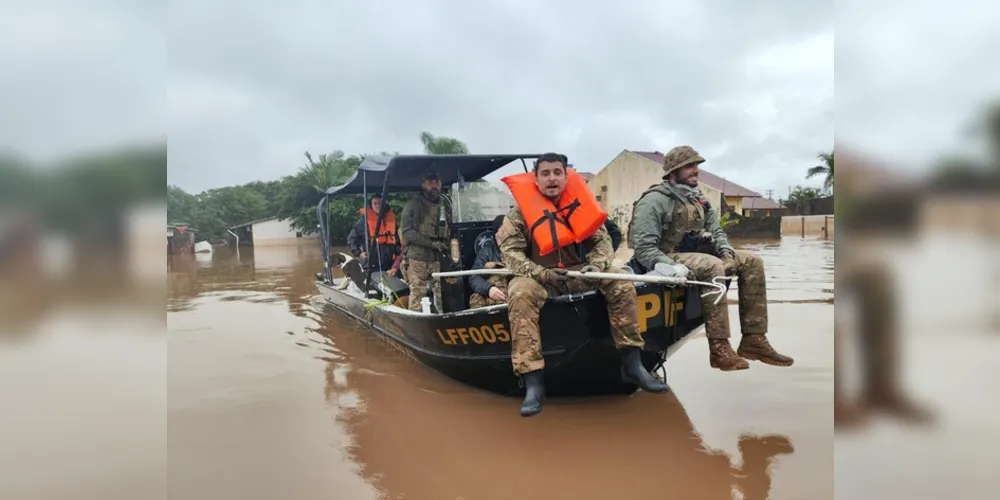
253,84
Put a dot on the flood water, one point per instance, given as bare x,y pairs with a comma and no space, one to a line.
274,396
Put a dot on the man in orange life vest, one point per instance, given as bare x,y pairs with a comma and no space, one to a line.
539,264
385,246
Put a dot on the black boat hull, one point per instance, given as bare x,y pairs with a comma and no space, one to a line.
474,346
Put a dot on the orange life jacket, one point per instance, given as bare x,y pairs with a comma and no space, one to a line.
388,234
577,217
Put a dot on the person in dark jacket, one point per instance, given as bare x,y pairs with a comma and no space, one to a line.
488,290
616,234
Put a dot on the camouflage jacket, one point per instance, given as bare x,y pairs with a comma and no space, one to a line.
421,227
515,248
662,216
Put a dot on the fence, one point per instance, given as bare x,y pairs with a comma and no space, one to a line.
808,225
818,206
756,227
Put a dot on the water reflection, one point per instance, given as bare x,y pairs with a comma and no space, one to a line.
252,342
438,440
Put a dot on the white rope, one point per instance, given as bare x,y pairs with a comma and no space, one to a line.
720,289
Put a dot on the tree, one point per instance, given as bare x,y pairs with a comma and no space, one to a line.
991,124
303,191
295,197
469,205
442,145
802,193
824,169
180,205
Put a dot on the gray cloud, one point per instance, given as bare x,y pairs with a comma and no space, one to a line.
911,78
254,84
78,75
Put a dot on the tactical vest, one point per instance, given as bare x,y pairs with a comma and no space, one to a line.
430,225
687,216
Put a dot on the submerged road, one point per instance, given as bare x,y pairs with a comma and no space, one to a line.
274,396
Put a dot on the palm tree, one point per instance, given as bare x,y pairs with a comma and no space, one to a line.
825,169
989,129
442,145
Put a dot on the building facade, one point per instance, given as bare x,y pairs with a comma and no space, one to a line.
630,173
270,231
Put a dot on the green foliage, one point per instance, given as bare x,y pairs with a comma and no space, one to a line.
442,145
76,193
301,192
803,193
825,169
294,197
727,220
215,210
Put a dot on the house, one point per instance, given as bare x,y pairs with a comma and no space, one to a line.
630,173
269,231
180,238
762,207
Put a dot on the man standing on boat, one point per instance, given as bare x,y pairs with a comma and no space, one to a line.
385,247
539,250
667,213
426,237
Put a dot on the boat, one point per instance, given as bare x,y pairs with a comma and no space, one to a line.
473,346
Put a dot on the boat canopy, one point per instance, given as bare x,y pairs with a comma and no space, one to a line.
405,172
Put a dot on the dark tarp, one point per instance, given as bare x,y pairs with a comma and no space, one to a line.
406,171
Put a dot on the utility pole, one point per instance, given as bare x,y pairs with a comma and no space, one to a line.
770,194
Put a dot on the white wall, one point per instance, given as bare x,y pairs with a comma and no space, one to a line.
273,232
146,247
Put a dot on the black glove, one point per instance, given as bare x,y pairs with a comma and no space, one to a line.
590,268
553,277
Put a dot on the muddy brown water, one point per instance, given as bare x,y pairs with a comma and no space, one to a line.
274,396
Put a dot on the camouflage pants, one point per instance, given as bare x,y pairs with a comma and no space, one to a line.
527,296
878,328
477,300
752,292
419,278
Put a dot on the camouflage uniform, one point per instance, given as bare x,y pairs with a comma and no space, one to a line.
532,285
866,273
422,228
661,219
478,300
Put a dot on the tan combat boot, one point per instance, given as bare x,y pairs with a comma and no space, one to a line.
756,347
722,356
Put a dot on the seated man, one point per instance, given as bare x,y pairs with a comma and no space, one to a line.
540,254
385,246
668,214
488,290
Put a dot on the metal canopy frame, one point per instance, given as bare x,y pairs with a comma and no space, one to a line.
405,174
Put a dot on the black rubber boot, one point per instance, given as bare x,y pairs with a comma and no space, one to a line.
534,394
633,372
